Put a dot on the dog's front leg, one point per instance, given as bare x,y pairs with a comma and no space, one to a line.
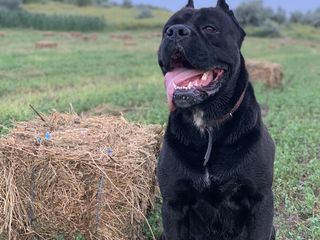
175,222
261,227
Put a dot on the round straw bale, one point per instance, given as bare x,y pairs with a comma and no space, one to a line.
130,43
92,37
271,74
76,34
68,174
123,37
48,34
46,44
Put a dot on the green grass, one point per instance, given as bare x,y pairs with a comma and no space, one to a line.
116,17
127,78
292,31
57,22
293,120
78,72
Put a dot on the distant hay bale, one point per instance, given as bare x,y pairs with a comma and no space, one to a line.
46,44
64,34
76,34
92,37
69,174
156,34
271,74
2,34
123,37
149,35
130,43
48,34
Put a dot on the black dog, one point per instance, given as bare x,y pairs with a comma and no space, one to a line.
215,169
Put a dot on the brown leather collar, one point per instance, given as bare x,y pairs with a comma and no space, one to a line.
233,110
221,120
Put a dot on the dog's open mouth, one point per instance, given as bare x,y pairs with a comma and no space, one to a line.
185,86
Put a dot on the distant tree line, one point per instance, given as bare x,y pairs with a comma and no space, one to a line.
310,17
254,13
10,4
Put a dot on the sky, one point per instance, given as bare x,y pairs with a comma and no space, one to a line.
289,5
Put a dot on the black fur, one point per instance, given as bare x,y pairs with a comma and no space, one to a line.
231,198
223,5
190,4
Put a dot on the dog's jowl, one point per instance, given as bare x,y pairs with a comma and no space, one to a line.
215,170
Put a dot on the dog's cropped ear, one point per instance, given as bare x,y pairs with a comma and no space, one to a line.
190,4
223,5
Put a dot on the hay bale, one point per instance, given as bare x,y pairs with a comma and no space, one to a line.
92,37
46,44
76,34
130,43
271,74
69,174
48,34
64,34
123,37
2,34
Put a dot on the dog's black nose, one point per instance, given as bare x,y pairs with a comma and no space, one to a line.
178,32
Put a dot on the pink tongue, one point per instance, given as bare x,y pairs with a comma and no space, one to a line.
177,76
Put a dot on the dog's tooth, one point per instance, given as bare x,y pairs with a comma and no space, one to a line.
175,86
189,85
205,76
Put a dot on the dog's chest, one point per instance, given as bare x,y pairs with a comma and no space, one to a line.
203,181
206,178
198,119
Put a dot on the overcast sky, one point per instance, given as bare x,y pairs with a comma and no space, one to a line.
289,5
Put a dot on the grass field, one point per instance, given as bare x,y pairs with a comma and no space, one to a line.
116,17
119,72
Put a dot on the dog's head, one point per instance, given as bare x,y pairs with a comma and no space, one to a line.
199,53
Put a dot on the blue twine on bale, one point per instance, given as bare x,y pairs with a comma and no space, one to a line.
48,136
109,151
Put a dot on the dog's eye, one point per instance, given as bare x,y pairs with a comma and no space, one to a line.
210,29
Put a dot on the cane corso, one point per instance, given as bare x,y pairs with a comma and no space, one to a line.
215,169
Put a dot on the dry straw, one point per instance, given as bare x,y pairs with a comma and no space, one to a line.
271,74
69,174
